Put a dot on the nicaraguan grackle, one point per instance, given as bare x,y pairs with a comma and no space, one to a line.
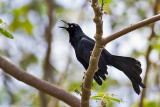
83,46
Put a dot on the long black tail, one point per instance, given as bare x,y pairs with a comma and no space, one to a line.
131,68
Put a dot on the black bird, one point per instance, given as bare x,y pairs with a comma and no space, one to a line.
83,45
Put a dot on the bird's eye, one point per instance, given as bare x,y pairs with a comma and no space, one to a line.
71,25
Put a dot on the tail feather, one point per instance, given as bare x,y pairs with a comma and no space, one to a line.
102,75
97,79
131,68
142,85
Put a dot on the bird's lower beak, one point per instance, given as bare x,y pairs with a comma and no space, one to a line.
63,26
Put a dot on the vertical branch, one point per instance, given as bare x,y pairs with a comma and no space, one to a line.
93,63
47,65
147,55
48,37
54,102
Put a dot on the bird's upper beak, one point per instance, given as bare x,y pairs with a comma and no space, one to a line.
65,23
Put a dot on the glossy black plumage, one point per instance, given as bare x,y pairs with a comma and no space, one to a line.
83,45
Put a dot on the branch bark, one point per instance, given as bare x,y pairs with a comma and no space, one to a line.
93,63
39,84
48,36
130,28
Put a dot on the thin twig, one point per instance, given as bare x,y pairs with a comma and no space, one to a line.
102,5
130,28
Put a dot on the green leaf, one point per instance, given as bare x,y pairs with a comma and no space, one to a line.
106,5
1,21
6,34
106,97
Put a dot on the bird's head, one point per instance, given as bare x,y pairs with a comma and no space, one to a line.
73,29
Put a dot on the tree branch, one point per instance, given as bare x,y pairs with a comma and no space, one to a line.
130,28
93,64
48,36
100,43
38,83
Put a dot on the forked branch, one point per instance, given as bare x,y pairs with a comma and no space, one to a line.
100,43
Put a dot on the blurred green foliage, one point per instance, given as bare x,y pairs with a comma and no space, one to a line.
1,21
27,60
106,5
21,20
149,104
20,23
156,44
104,87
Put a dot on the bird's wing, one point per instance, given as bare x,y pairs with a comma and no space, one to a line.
84,53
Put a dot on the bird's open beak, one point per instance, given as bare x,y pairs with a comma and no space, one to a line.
65,23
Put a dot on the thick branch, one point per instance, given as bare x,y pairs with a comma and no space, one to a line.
38,83
93,64
130,28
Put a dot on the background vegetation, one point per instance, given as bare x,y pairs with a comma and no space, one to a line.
42,49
